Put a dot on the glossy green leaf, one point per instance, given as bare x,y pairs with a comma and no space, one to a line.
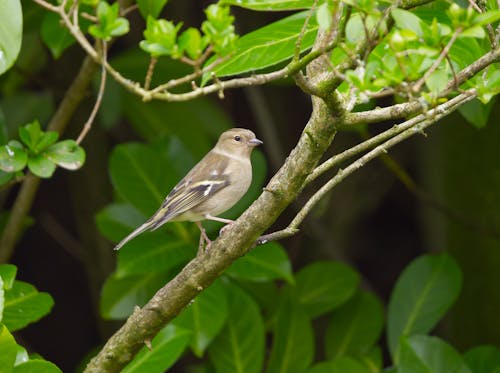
339,365
153,252
239,347
477,113
46,139
264,263
30,134
423,293
37,366
161,38
120,295
271,5
268,45
483,359
11,32
197,124
141,176
323,286
373,360
21,355
8,274
24,305
424,354
55,35
192,43
406,20
41,166
109,23
66,154
355,326
293,340
166,348
151,7
205,317
13,157
115,221
488,17
8,346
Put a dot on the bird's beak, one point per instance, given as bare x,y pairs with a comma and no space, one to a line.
255,142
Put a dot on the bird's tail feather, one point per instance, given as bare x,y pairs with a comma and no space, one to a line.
147,225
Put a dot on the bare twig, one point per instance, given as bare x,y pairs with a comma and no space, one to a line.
149,74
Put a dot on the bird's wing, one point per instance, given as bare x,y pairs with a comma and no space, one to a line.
193,189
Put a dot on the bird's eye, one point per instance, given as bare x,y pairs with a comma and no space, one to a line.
237,138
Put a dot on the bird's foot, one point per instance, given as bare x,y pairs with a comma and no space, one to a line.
205,242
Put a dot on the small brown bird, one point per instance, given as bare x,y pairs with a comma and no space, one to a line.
212,186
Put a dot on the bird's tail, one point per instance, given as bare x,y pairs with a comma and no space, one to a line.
157,220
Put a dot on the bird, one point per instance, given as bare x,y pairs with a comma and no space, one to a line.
211,187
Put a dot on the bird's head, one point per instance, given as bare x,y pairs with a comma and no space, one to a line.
238,141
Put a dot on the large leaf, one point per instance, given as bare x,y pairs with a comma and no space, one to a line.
340,365
37,366
239,347
271,5
293,341
141,176
205,317
323,286
423,293
116,220
153,252
264,263
355,326
483,359
166,348
8,346
11,32
120,295
24,305
268,45
8,274
424,354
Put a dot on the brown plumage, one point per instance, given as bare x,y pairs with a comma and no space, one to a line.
212,186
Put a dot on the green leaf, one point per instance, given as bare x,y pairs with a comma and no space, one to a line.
323,286
485,18
13,157
66,154
483,359
55,35
293,340
37,366
41,166
2,297
8,347
191,42
239,347
477,113
373,360
436,81
8,274
115,221
205,317
270,5
21,355
406,20
354,327
151,8
141,176
30,134
423,293
267,46
166,348
160,38
324,16
120,295
153,252
45,140
424,354
24,305
109,23
264,263
339,365
11,32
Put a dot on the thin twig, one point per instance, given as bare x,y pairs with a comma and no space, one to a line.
88,124
411,127
149,74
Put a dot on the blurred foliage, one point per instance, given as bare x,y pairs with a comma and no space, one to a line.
284,307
